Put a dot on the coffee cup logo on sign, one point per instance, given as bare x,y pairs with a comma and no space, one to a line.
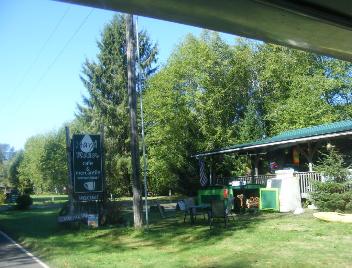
87,145
89,185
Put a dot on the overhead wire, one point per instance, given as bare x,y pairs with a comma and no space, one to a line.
34,88
41,50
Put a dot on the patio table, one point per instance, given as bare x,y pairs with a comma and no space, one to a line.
205,208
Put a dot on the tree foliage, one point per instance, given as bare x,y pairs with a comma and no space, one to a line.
53,161
193,104
30,166
14,173
299,89
6,154
211,95
43,163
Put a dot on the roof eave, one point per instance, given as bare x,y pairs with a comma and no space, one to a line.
270,144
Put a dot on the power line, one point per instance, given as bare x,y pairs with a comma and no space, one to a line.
29,69
34,88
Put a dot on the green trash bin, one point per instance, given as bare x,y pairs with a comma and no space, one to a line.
213,193
269,199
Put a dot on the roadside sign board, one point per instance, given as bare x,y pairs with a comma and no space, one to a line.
87,163
14,197
93,220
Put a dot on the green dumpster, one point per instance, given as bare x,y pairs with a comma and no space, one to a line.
214,193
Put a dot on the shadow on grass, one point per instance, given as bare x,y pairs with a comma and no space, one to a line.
187,236
40,232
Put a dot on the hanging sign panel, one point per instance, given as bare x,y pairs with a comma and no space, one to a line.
87,162
295,156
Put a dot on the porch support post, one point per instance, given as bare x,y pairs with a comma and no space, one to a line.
309,154
256,165
310,157
310,166
252,168
210,175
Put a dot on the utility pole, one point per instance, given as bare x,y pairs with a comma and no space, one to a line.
139,76
70,176
132,105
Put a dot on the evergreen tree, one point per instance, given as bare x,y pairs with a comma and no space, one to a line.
106,82
333,166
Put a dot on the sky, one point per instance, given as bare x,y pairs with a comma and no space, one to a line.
43,45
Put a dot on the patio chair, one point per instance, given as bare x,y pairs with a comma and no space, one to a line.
229,208
220,210
186,205
181,205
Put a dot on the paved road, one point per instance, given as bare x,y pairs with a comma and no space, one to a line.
12,255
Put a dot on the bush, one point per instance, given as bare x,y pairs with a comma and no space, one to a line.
347,196
331,196
2,198
348,207
329,187
24,201
333,166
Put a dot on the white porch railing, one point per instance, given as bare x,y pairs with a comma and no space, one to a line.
258,179
306,180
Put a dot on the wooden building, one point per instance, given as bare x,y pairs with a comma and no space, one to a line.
297,149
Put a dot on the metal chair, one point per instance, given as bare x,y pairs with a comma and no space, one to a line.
229,207
182,206
221,210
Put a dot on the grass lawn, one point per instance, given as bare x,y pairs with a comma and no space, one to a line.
49,199
266,240
41,200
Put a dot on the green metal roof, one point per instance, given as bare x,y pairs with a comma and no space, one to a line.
309,132
291,135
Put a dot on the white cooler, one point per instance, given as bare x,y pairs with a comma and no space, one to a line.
289,194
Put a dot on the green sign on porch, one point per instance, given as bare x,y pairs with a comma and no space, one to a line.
87,163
